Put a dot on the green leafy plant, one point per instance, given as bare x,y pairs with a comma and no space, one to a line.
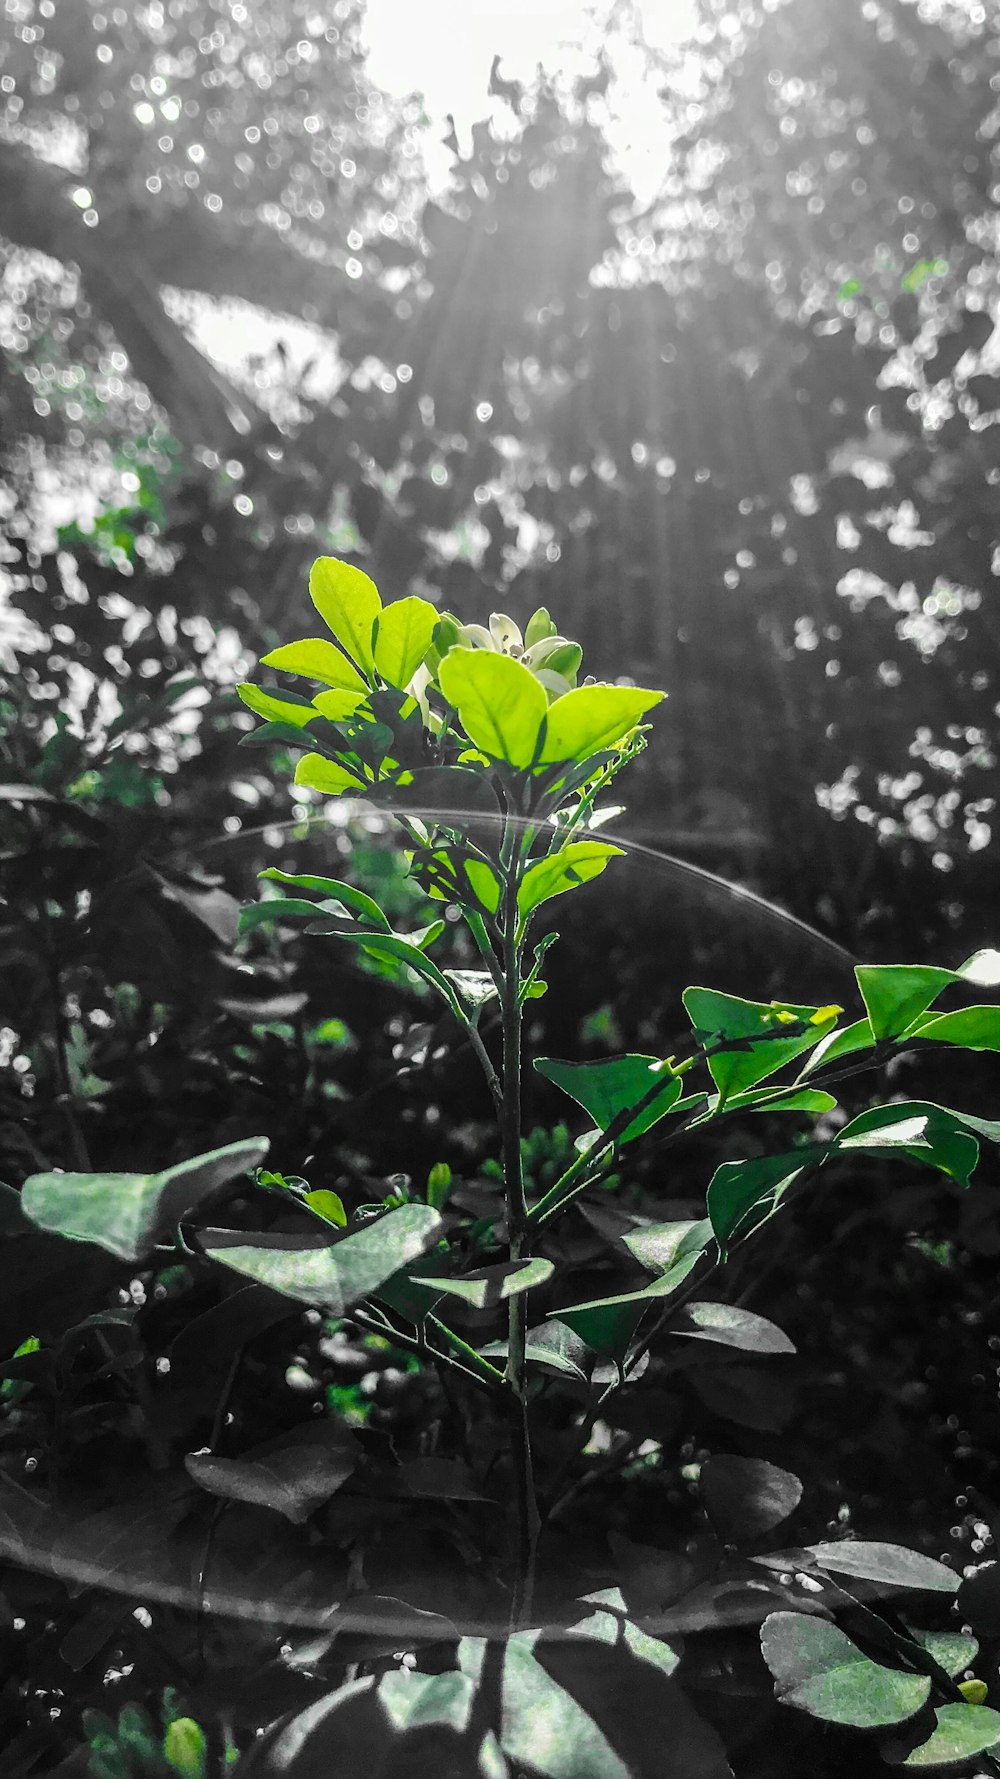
492,758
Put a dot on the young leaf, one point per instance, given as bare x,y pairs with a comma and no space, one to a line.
328,776
500,703
612,1086
731,1327
277,707
276,908
316,659
892,1563
403,634
577,863
973,1028
895,995
127,1214
293,1475
349,603
767,1049
489,1285
589,718
818,1669
364,906
746,1497
960,1733
836,1045
329,1206
185,1749
330,1275
339,706
744,1194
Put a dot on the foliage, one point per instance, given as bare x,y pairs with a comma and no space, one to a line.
517,1369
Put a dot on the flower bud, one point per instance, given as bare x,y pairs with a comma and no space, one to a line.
505,633
539,627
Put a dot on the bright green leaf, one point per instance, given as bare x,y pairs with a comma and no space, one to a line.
895,994
576,863
277,707
328,1205
972,1028
838,1044
317,659
763,1026
500,703
612,1086
129,1213
185,1749
328,776
818,1669
403,633
349,602
593,717
338,706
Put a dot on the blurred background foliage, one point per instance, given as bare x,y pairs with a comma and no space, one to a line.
736,428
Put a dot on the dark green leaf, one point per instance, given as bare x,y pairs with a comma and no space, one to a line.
960,1733
335,1275
276,908
293,1475
489,1285
746,1497
607,1324
818,1669
364,906
657,1246
552,1347
921,1131
891,1563
129,1213
730,1327
744,1194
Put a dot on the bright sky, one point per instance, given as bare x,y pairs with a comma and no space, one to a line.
444,48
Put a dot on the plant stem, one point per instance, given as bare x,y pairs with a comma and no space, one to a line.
525,1505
